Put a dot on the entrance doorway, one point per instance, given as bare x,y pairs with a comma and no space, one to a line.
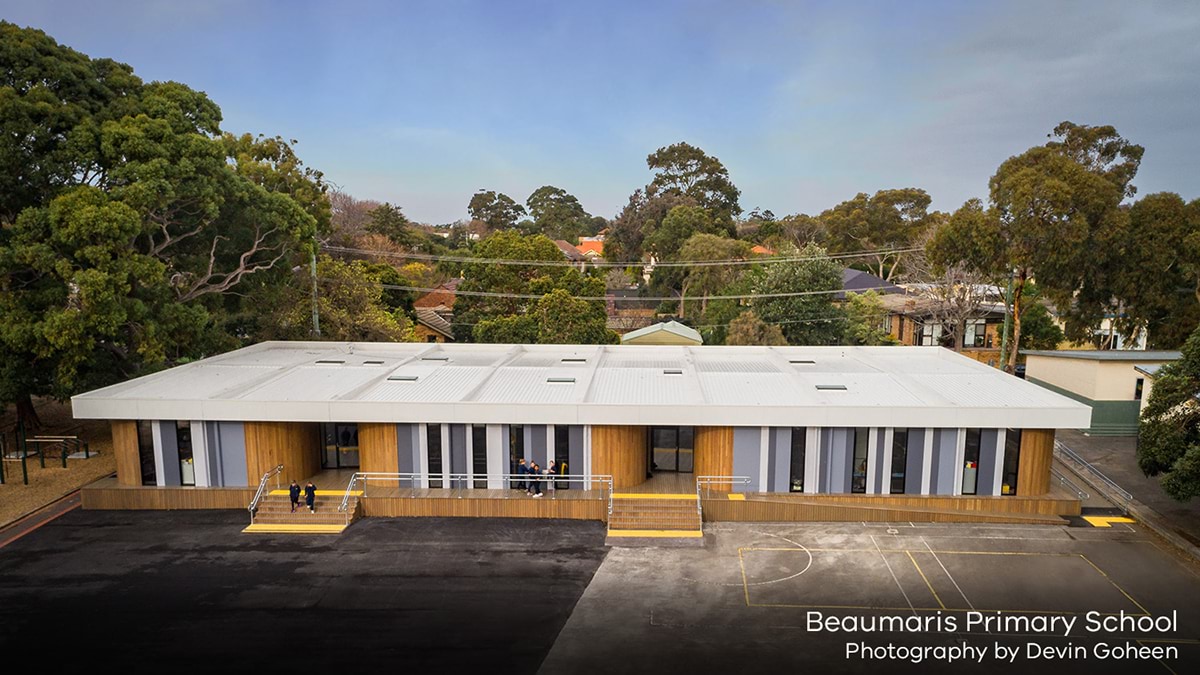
339,446
670,449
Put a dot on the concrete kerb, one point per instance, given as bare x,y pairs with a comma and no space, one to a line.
1153,520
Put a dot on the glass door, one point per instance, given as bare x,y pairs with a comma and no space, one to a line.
671,449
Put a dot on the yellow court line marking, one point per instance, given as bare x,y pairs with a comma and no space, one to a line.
652,495
745,586
655,533
1107,521
926,579
738,497
321,493
1110,580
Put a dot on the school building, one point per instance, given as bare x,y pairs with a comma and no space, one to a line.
770,433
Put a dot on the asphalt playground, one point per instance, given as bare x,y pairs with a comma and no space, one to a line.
187,591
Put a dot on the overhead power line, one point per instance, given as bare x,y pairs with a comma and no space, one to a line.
766,259
604,298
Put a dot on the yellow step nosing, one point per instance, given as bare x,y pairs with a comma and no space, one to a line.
656,533
295,528
321,493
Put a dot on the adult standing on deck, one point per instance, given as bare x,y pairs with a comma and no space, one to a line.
551,471
535,487
522,470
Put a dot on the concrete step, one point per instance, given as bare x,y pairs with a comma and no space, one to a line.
268,528
301,518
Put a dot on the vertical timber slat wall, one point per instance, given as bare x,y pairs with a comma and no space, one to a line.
1033,473
621,452
295,445
378,451
714,454
125,449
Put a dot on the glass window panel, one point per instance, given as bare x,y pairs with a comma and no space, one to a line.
479,458
858,472
146,453
970,476
899,460
434,434
665,444
1012,462
187,467
799,441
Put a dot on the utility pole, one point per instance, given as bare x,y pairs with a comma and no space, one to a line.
1007,321
316,315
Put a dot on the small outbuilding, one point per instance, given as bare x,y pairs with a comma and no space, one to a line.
1112,382
666,333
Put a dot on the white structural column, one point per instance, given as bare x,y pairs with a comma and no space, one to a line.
160,464
872,458
927,461
885,479
497,463
764,456
423,455
201,457
470,456
549,446
960,459
812,460
587,457
998,468
446,454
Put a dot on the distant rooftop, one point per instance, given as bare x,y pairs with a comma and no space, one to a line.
667,332
1104,354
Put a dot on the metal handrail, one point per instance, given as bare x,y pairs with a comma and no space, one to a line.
1060,447
1066,482
709,481
365,477
262,486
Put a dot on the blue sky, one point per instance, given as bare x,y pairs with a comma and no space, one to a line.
422,103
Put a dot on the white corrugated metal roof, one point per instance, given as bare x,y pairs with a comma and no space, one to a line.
619,384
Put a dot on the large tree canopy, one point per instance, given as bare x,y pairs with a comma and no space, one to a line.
798,296
684,169
496,209
558,214
884,222
511,281
127,217
1169,435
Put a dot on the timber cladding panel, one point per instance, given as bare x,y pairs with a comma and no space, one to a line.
891,508
714,454
125,449
110,494
377,451
295,445
575,509
620,451
1037,451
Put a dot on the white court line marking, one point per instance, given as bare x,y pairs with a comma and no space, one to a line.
799,547
939,562
889,566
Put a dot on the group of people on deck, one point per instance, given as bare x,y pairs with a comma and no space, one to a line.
533,484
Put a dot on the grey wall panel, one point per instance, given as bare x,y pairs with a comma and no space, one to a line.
535,444
945,445
232,437
575,461
987,461
168,465
836,459
747,456
407,452
781,459
916,459
458,453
